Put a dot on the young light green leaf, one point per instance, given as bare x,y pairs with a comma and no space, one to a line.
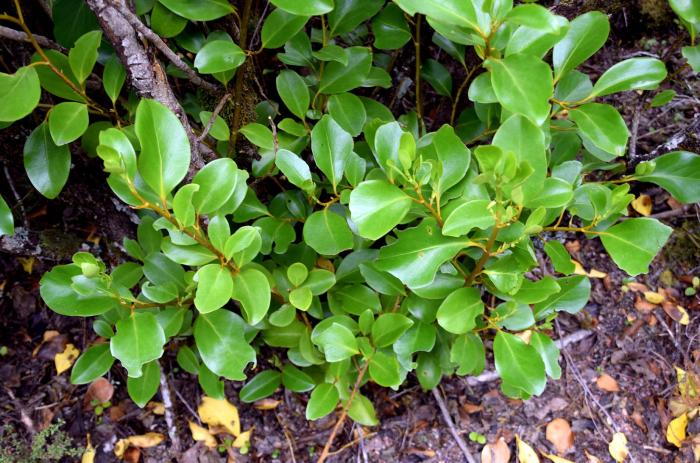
389,327
555,193
113,78
323,400
467,216
603,126
453,156
689,10
165,149
252,289
221,343
83,56
338,343
327,233
47,164
634,243
295,169
214,287
549,352
586,34
331,146
533,16
631,74
451,12
219,130
376,207
561,260
457,313
362,411
139,339
19,93
384,369
217,182
67,122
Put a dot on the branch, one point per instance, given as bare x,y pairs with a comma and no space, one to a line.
19,36
163,47
212,118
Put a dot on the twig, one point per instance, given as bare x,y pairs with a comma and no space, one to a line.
160,45
635,128
448,419
17,197
20,36
240,77
488,376
175,448
287,436
213,116
344,413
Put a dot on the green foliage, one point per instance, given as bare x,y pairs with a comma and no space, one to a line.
49,444
394,246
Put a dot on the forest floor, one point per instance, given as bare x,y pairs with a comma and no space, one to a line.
634,345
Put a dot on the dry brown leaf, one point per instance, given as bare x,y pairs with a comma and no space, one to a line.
639,287
471,408
525,453
643,205
560,435
618,447
267,404
676,430
100,390
607,383
65,359
654,297
496,453
202,434
643,305
157,408
220,412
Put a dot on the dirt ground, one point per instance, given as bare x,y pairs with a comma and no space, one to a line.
636,343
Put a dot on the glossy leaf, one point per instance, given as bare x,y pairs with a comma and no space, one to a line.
388,328
7,222
219,56
260,386
142,389
294,92
201,10
586,34
279,27
338,343
307,8
634,243
252,290
323,400
518,364
83,56
457,313
603,126
214,286
138,340
47,164
220,338
376,207
331,146
327,233
678,173
93,363
19,93
631,74
467,216
339,78
67,122
217,182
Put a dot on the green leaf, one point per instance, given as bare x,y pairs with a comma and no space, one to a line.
143,388
678,173
389,327
219,56
331,53
93,363
354,299
187,360
301,298
166,23
214,287
296,380
279,27
362,411
453,156
417,253
139,339
331,147
47,165
468,353
384,369
631,74
338,343
19,93
533,16
376,207
481,89
83,56
549,353
306,8
390,29
692,54
438,77
220,339
523,85
348,14
561,260
259,135
67,122
252,290
327,233
603,126
7,222
51,82
457,313
339,78
467,216
201,10
165,149
348,111
58,293
689,10
518,364
294,92
113,78
217,183
260,386
323,400
514,316
71,19
219,130
531,292
454,12
295,169
634,243
555,193
662,98
586,34
573,296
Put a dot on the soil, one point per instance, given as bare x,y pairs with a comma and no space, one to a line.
636,345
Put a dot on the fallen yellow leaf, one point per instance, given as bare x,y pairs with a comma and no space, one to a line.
89,454
688,384
578,268
592,458
202,434
559,433
525,453
267,404
685,319
618,447
653,297
220,412
65,359
27,263
143,441
597,274
675,432
643,205
157,408
243,439
556,459
607,383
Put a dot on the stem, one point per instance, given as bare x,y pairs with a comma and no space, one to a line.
344,413
416,43
461,88
240,76
485,256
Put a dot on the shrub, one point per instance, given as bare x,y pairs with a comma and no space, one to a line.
380,248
